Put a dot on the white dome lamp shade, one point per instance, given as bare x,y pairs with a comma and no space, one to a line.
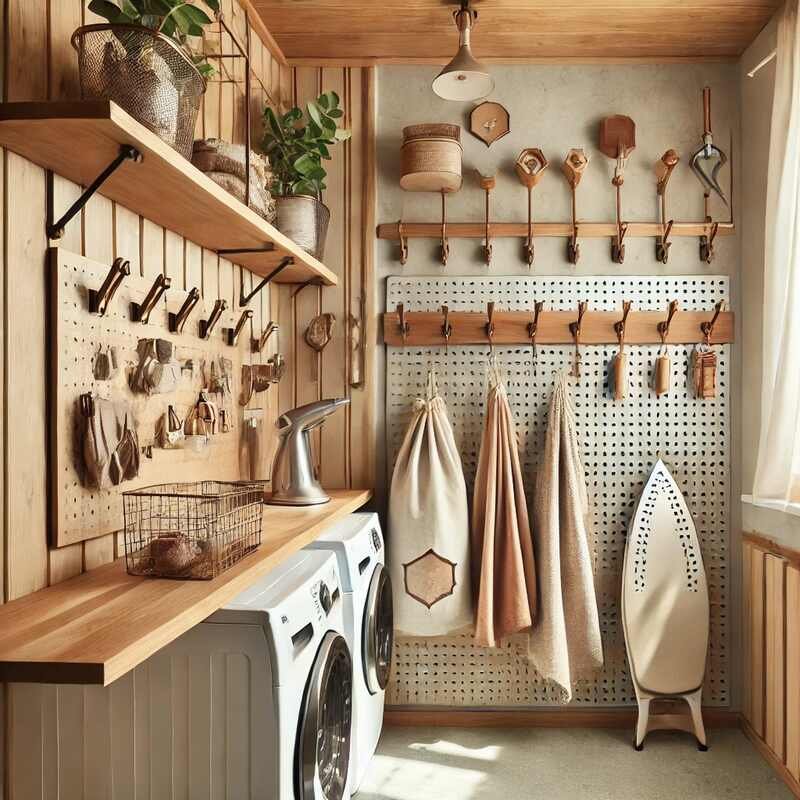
464,78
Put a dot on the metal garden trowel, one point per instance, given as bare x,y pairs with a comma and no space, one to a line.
709,159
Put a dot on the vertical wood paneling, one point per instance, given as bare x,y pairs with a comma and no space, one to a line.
25,747
755,587
141,730
97,744
160,724
775,620
793,671
200,720
123,777
70,742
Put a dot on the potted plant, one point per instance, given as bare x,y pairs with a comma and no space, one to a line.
297,144
143,61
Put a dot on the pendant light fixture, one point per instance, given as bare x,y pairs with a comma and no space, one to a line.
464,78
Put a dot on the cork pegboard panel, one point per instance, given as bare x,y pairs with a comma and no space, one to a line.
619,441
76,337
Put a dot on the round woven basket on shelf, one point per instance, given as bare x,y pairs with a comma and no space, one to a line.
430,158
146,73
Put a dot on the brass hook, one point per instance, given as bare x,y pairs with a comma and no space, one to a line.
533,329
99,299
207,325
663,326
447,328
573,248
573,168
403,244
405,328
259,344
618,242
177,321
664,168
707,243
619,326
490,326
232,334
487,183
445,248
140,312
575,330
707,327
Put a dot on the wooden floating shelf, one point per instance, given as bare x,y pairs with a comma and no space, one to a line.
78,140
511,327
99,625
519,230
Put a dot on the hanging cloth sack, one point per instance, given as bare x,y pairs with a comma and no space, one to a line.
429,526
504,573
565,644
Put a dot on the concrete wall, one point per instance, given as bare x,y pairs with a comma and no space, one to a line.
756,113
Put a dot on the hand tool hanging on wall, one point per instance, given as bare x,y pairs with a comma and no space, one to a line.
664,167
530,166
487,183
573,168
706,164
661,379
619,369
318,334
617,141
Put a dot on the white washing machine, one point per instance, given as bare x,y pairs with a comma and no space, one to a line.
254,703
358,545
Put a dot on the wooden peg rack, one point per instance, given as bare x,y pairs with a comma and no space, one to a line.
512,327
519,230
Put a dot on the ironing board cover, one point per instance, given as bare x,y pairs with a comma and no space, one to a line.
665,610
428,538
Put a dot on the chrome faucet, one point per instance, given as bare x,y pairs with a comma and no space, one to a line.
294,479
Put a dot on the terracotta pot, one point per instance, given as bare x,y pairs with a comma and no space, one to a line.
304,219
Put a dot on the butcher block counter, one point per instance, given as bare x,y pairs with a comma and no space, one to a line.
99,625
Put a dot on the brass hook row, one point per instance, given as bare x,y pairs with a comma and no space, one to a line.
100,300
447,328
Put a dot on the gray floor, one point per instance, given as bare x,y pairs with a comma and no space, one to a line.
564,764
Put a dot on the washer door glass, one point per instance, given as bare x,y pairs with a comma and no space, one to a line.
323,742
378,631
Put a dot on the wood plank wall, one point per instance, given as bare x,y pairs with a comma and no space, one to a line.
771,653
346,444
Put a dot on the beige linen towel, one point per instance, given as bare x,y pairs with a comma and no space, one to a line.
504,576
428,539
565,644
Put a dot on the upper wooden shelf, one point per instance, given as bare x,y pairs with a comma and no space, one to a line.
99,625
79,139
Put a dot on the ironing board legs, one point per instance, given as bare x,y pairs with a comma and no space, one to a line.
691,724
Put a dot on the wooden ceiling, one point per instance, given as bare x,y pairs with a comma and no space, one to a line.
422,31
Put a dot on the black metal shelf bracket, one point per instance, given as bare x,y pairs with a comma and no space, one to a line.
244,299
55,230
267,247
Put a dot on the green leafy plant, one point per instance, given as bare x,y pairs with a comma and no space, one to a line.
174,18
297,144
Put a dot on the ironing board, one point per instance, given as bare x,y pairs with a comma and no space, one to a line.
665,611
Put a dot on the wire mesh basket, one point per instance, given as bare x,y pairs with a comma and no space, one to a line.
146,73
191,530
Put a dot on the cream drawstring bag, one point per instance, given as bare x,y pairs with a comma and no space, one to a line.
428,541
504,577
565,644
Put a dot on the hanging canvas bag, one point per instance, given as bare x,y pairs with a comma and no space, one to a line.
429,526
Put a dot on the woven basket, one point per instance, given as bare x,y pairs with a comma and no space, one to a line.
430,158
147,74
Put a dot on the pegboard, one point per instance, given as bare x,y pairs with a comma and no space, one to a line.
78,512
619,443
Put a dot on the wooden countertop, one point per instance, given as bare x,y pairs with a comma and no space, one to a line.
99,625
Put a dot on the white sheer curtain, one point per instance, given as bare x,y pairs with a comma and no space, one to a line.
778,469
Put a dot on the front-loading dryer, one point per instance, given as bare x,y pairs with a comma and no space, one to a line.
358,545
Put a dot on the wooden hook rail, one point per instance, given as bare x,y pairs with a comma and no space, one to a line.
588,230
553,327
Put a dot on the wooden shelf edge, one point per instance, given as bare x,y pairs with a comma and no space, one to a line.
126,130
83,602
519,230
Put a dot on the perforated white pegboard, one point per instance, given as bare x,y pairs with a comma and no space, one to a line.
620,442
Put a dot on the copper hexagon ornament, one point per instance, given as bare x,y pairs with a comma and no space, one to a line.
489,122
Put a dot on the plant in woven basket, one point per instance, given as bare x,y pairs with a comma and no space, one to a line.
297,143
174,18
